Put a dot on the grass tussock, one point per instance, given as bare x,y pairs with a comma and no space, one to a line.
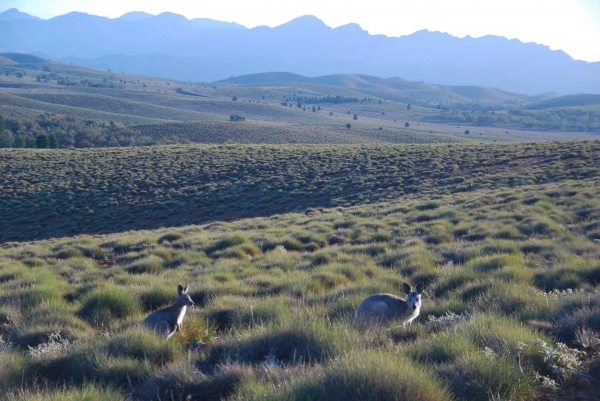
508,281
360,377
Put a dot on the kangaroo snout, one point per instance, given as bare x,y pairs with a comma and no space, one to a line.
414,307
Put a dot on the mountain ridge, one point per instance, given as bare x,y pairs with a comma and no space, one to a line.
13,14
208,50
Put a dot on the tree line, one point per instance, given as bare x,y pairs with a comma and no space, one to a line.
52,131
552,120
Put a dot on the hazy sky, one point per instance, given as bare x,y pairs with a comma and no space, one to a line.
570,25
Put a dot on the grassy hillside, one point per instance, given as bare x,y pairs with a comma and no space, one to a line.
510,277
277,133
22,58
395,88
315,110
49,193
567,101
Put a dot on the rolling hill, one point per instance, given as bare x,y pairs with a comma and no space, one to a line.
567,101
395,88
86,107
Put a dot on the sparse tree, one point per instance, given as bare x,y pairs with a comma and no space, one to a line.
53,141
407,124
20,142
355,117
234,98
467,132
408,107
6,140
42,141
348,126
314,109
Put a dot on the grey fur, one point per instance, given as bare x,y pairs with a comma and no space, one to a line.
383,308
169,320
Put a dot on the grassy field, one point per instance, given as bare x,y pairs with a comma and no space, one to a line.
281,224
511,275
50,193
378,110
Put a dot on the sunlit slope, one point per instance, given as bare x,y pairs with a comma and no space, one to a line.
48,193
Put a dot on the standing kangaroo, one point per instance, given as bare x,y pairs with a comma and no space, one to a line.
382,308
167,321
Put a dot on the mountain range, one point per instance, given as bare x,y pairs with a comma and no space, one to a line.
173,46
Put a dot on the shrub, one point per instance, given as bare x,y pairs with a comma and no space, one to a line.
170,237
104,305
543,226
295,342
150,265
42,141
226,242
156,298
89,391
361,376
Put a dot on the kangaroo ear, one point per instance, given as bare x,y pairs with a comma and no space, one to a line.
406,288
420,287
179,289
185,289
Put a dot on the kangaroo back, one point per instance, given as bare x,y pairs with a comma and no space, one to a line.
169,320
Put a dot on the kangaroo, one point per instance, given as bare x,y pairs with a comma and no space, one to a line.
167,321
382,308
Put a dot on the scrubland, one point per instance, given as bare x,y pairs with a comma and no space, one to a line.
52,193
510,310
280,242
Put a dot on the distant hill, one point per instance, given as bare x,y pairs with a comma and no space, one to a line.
567,101
13,14
171,45
393,88
22,58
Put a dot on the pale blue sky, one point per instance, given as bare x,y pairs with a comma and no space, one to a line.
569,25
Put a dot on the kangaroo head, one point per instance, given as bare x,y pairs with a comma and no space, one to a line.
413,297
183,297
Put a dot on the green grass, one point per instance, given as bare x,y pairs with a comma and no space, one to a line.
276,295
101,191
280,243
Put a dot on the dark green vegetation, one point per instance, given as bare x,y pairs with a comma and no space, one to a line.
510,274
562,119
69,132
49,193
